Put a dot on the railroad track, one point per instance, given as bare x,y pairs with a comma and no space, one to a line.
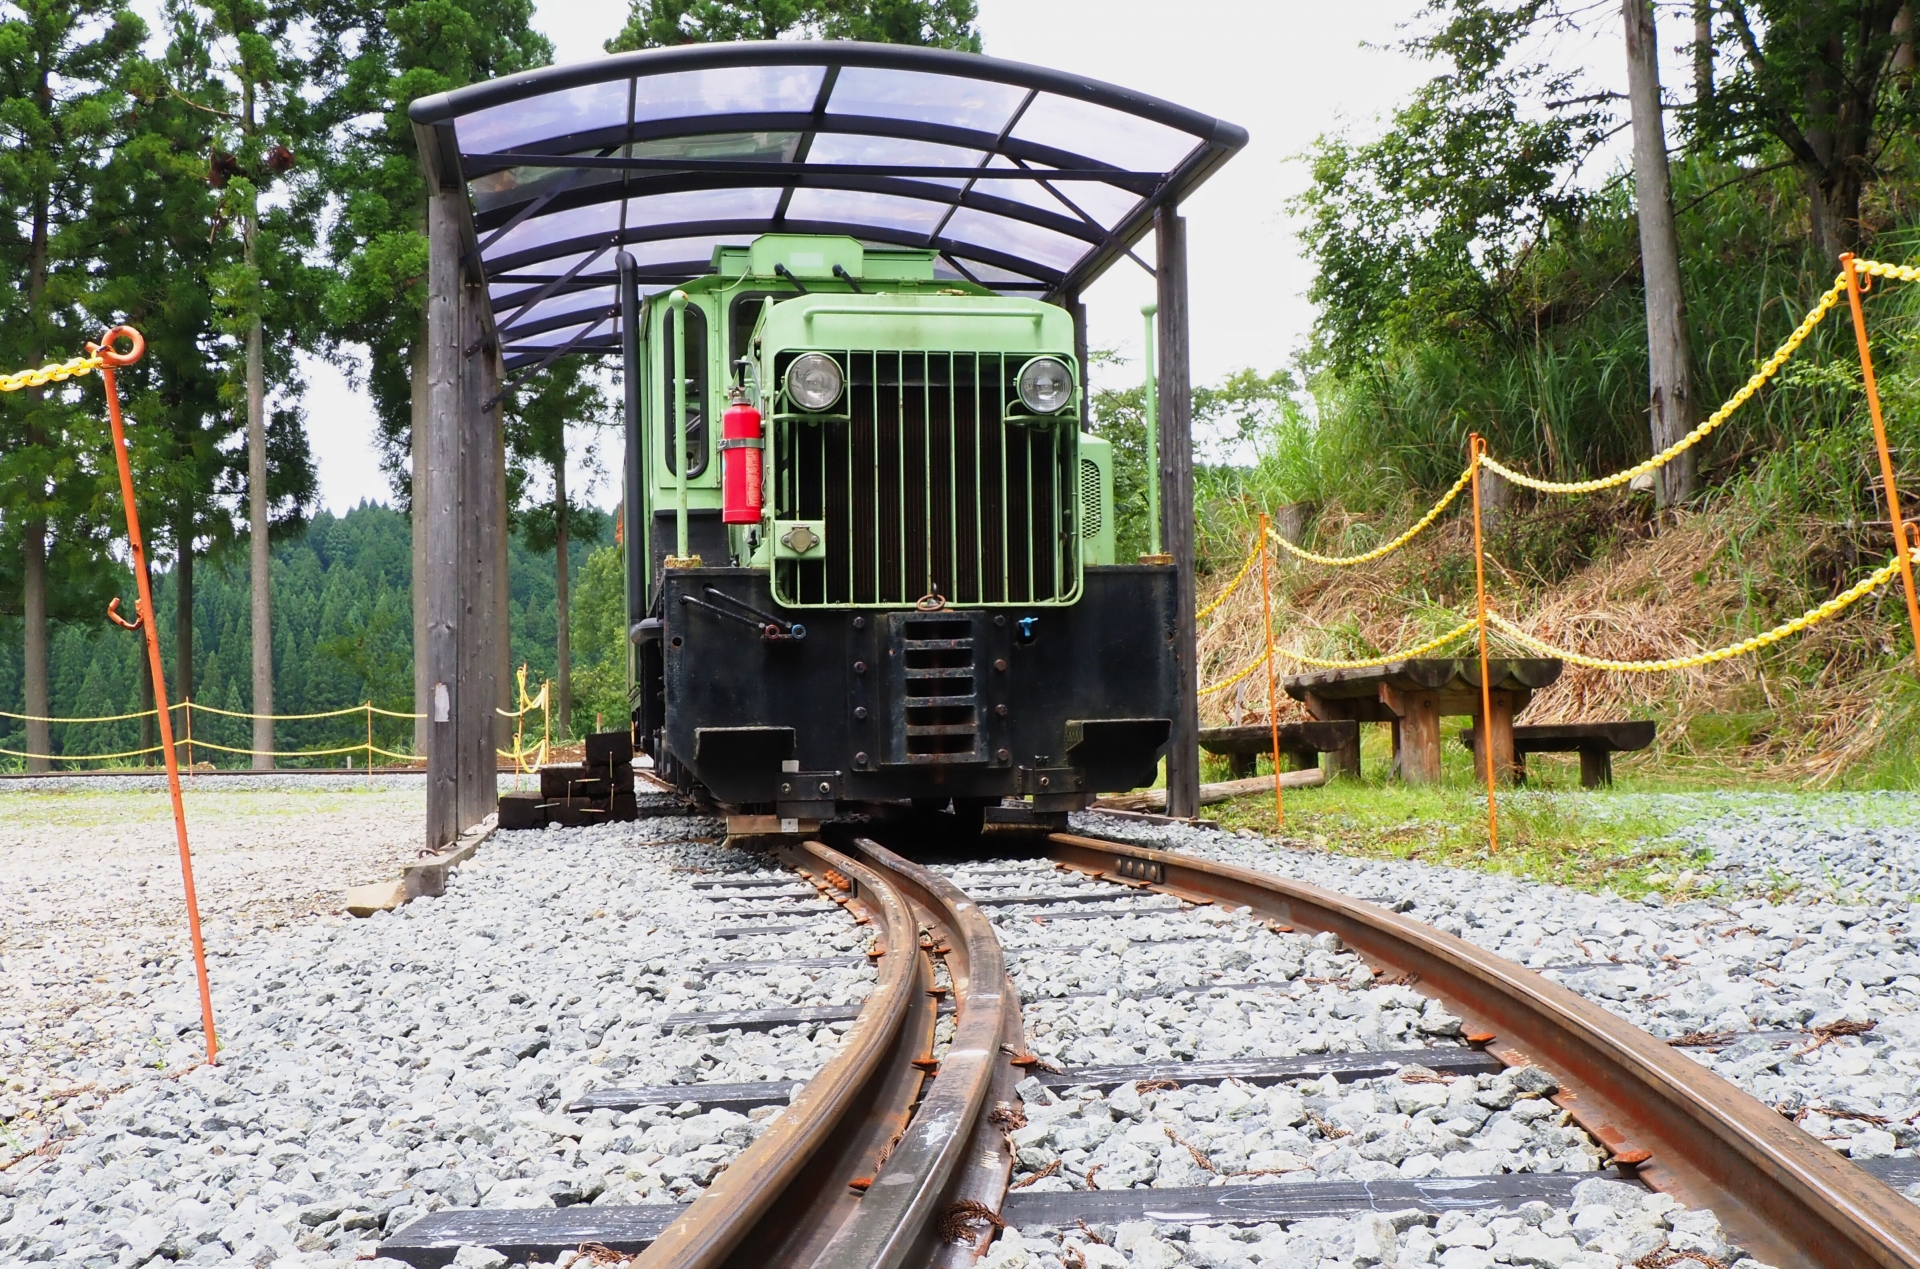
898,1152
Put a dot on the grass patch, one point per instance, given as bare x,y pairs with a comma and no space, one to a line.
1593,841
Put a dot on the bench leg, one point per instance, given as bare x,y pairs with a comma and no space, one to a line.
1345,761
1242,765
1496,732
1299,759
1416,734
1596,767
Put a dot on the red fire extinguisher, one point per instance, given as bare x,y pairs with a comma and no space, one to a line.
740,455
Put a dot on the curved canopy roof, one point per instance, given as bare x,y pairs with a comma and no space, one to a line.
1025,180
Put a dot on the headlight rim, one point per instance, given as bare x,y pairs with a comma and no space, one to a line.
794,392
1020,384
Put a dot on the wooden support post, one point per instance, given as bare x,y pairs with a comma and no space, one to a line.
492,375
1596,767
635,505
1417,733
442,563
465,534
1078,308
1176,497
482,538
1500,725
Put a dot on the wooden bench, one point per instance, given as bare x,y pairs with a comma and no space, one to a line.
1596,743
1413,696
1301,744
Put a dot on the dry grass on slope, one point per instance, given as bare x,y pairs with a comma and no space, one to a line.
1809,709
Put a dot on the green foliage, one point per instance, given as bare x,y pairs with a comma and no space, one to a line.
343,634
1471,278
62,99
1417,234
600,640
660,23
1247,409
1813,85
567,393
377,240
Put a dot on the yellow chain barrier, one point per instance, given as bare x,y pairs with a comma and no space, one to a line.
52,372
1253,557
362,708
1812,617
1880,269
1403,654
80,757
1221,687
1767,370
1378,552
103,718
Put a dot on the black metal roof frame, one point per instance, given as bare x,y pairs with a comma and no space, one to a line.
564,283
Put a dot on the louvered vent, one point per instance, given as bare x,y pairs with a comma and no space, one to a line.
1089,498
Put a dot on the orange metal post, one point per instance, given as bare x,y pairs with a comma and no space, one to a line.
1478,451
1273,711
112,360
1900,543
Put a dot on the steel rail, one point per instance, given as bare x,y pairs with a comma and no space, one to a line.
1780,1193
764,1200
950,1151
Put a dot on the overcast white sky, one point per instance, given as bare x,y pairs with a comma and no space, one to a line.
1286,70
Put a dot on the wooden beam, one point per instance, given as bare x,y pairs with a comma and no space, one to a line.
441,574
482,537
492,373
1176,502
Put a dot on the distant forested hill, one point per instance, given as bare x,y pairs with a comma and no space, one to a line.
343,634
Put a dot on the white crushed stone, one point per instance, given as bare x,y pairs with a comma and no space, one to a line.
93,927
376,1070
1609,1225
1774,985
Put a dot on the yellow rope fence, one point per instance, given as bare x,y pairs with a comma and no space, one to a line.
1786,629
53,372
1759,379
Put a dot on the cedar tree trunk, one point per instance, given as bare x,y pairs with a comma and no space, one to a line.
1669,353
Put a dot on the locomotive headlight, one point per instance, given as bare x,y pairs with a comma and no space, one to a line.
1045,385
814,381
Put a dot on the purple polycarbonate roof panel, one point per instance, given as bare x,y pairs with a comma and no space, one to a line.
1007,236
956,102
587,108
875,151
860,209
727,90
1028,179
1106,135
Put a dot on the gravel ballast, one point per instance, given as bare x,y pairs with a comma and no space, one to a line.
93,928
1777,996
379,1069
376,1070
1156,981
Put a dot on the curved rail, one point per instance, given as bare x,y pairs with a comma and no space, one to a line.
903,1218
777,1193
1780,1193
863,1169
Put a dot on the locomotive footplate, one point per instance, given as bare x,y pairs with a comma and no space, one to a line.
1050,703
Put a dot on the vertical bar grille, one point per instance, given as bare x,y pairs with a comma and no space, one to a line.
925,486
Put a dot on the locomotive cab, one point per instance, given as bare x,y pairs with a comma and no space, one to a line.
873,549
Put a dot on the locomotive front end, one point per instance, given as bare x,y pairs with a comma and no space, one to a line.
926,608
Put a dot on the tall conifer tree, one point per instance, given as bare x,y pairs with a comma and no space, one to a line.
60,100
